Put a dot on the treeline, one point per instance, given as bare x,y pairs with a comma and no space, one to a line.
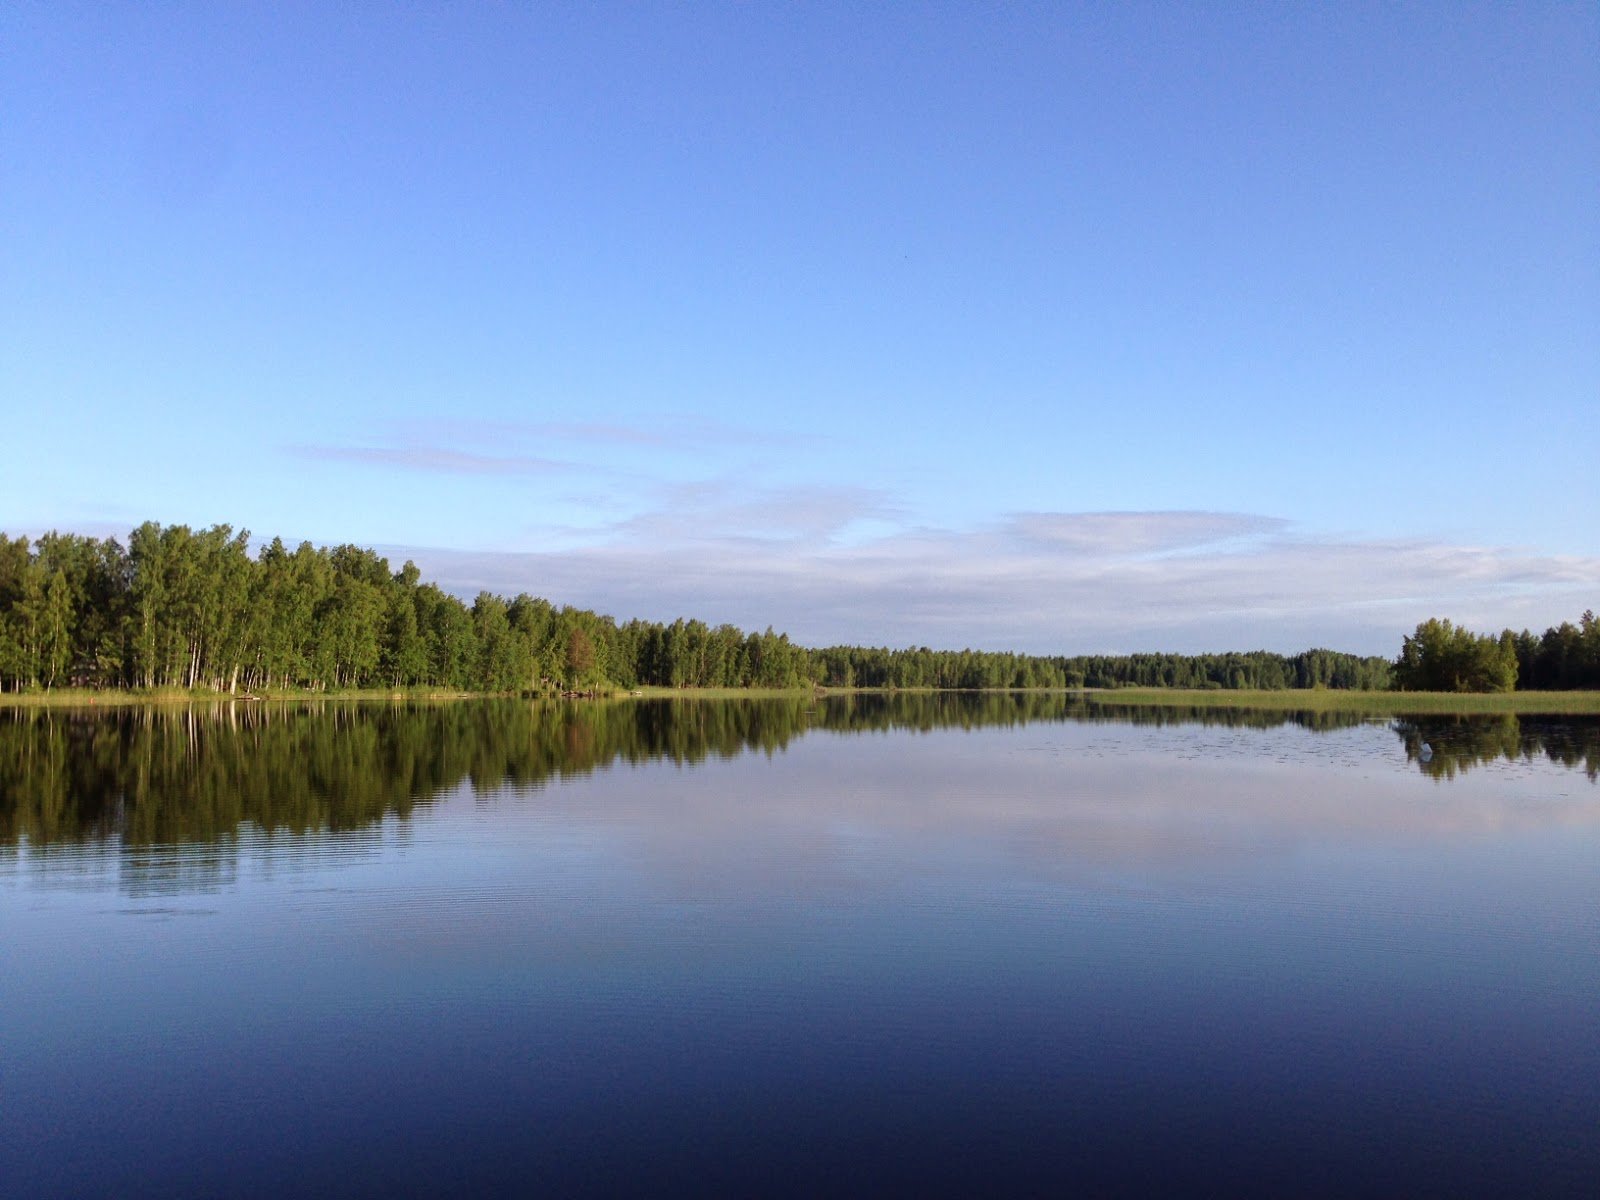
847,666
182,608
1442,657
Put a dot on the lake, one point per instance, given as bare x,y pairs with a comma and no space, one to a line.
935,944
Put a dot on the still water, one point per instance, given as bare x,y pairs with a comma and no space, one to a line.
936,944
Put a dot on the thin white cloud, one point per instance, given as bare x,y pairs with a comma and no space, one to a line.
683,433
438,459
712,512
1138,532
474,447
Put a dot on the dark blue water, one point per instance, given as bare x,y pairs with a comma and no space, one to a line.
1007,958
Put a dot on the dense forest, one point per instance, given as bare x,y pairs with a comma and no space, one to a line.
1442,657
193,609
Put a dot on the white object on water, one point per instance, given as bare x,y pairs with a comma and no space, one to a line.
1426,752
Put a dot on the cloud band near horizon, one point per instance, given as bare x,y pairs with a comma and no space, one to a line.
1048,583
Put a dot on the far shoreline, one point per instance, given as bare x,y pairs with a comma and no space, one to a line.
1375,703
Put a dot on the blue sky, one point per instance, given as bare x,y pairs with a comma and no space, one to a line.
1053,327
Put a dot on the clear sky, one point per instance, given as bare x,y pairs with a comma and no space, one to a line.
1050,327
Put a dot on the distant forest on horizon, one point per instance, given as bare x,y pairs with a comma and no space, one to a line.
183,608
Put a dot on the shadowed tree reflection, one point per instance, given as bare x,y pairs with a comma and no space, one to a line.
156,776
1456,744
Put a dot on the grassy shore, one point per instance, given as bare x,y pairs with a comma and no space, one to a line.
1293,699
1298,700
1377,703
137,697
733,693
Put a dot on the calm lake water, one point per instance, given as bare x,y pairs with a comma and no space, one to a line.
943,945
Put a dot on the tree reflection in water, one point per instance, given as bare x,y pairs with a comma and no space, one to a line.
1460,743
200,774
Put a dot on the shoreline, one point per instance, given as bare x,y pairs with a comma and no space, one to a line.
1551,703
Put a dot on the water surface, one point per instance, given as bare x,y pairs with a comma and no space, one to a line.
951,944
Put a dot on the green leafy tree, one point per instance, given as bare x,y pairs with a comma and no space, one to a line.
580,658
1441,657
55,629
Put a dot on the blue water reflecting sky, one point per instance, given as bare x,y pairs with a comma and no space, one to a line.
1100,956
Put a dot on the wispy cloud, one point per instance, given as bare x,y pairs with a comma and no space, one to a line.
1138,532
474,447
681,433
438,459
708,513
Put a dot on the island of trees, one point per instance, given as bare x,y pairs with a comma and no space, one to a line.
185,608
